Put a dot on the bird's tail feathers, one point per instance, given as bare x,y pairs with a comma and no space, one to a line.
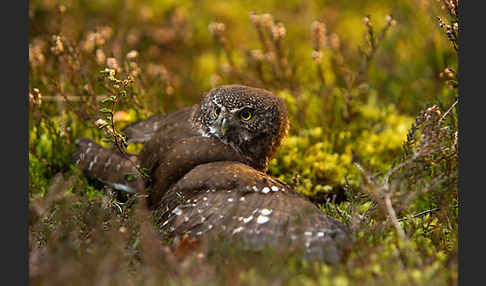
107,166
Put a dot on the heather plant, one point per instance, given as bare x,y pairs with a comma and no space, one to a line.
371,89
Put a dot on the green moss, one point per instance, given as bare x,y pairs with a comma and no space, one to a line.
323,164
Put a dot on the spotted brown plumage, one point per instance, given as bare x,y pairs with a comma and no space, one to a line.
206,167
234,201
108,166
257,138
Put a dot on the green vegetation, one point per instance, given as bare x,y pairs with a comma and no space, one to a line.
371,88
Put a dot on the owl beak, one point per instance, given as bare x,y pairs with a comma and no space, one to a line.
224,126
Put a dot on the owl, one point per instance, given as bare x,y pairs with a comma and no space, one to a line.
206,165
252,123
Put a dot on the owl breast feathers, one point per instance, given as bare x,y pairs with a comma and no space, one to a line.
206,166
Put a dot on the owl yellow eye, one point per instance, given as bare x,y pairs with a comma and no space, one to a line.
246,115
216,111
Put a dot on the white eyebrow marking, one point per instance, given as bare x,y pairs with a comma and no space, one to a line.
237,109
215,103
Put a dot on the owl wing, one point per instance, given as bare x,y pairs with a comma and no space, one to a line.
176,126
107,166
237,202
143,130
184,155
110,167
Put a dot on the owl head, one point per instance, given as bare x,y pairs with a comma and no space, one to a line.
251,120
